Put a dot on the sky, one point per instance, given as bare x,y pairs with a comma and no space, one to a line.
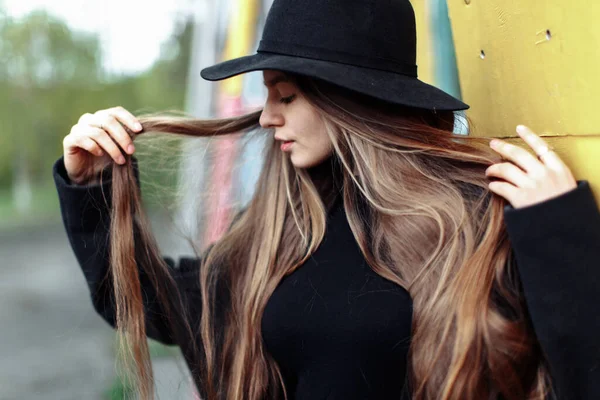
131,31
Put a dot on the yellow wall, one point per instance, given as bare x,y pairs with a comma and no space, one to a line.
240,36
424,46
552,86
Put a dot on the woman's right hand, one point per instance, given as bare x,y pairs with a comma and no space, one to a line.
92,143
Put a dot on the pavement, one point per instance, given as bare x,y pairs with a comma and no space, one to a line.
53,345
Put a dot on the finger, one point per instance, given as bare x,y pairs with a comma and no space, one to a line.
539,145
91,146
510,173
76,139
85,119
105,142
504,189
113,127
519,156
126,118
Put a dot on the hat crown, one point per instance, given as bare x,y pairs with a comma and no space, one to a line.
378,34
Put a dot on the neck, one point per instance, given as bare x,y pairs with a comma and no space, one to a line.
327,178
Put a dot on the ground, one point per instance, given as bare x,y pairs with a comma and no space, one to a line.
53,344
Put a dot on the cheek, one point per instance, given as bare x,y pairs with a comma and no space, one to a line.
313,136
321,138
312,143
313,147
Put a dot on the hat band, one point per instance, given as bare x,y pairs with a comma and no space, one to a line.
298,50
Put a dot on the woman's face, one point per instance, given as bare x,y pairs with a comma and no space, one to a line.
295,121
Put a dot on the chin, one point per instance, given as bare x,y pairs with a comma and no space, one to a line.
300,164
304,163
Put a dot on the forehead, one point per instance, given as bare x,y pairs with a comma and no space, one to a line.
273,77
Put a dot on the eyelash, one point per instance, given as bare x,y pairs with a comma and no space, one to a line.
287,100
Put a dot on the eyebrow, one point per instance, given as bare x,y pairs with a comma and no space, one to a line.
274,81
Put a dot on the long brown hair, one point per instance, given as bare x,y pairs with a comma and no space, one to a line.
433,227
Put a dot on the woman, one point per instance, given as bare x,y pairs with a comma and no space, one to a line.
378,257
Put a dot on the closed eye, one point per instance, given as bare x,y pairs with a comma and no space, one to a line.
287,100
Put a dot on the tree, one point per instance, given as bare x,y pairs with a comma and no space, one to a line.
38,55
51,75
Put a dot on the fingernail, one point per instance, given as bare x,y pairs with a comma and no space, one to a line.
520,128
494,143
138,126
130,149
121,160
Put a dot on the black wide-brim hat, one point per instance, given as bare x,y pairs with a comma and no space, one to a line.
368,46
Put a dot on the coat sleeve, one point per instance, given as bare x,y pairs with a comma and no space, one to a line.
86,216
556,245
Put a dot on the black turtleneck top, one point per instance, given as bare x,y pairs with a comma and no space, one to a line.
337,330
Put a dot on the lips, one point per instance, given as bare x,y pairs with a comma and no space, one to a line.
286,146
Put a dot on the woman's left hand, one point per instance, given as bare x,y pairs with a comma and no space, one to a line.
529,180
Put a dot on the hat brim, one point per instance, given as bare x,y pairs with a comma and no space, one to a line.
384,85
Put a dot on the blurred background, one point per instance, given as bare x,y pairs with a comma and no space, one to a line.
61,59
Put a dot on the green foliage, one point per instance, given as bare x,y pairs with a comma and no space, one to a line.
40,50
44,208
51,75
119,390
159,350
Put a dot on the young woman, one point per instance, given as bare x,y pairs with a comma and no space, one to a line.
381,256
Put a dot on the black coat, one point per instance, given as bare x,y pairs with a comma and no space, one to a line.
339,331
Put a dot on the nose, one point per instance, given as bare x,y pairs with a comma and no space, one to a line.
270,116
